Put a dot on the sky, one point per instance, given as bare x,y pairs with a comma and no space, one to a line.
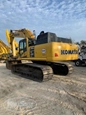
66,18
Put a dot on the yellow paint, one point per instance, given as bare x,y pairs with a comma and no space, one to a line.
46,52
4,50
42,52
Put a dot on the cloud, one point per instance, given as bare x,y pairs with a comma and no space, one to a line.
65,18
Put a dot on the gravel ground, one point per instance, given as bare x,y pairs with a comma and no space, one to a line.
63,95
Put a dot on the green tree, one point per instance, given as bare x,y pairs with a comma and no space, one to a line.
77,43
83,42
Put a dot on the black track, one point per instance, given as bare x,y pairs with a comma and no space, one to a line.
33,71
43,71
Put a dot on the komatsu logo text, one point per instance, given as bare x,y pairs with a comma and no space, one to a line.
69,52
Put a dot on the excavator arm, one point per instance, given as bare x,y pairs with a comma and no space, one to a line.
21,33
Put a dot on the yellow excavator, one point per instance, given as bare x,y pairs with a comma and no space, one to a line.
49,54
4,50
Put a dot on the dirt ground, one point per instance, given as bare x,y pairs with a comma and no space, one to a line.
63,95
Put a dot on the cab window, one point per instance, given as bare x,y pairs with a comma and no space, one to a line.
21,45
25,44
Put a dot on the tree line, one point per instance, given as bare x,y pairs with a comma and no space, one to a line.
82,42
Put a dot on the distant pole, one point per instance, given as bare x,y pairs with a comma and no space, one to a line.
34,32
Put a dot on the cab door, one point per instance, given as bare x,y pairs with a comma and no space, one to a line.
22,48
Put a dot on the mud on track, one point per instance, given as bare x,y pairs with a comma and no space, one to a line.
59,96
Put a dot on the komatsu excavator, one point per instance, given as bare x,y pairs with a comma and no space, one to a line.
4,50
49,54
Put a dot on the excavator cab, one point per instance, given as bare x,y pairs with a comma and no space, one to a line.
23,45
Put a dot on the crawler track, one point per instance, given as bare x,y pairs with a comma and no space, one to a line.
33,71
59,68
62,68
40,72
